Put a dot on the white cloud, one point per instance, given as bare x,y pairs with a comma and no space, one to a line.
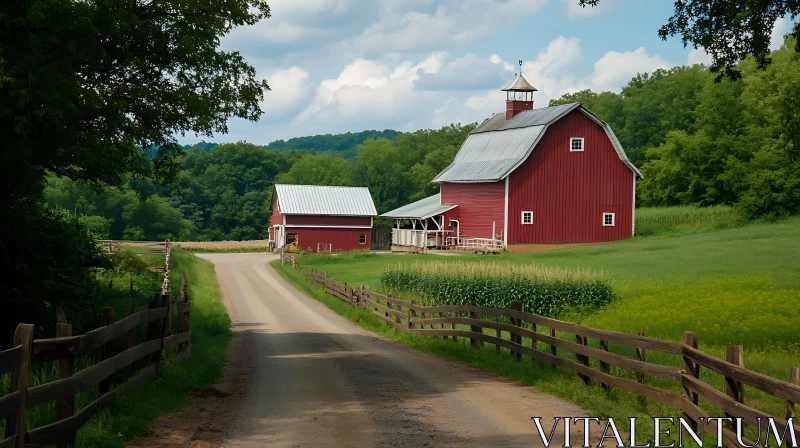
468,72
352,29
779,29
575,10
698,56
406,27
615,69
290,87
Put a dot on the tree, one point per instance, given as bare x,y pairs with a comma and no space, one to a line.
728,30
318,169
84,86
97,91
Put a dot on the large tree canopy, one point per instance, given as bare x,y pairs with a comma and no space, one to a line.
98,91
85,85
728,30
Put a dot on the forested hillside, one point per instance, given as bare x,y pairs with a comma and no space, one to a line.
696,140
343,145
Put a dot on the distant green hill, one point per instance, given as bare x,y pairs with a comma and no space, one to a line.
341,144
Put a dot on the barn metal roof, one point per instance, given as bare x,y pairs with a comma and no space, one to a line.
490,156
535,117
422,209
324,200
498,146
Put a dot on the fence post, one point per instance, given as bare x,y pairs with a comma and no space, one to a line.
106,318
153,327
16,423
553,348
61,316
65,407
187,323
515,337
604,366
794,378
583,359
693,369
475,343
641,356
734,354
534,342
166,324
498,334
132,331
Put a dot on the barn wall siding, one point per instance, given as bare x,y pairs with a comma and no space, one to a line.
341,239
479,205
568,192
276,218
321,220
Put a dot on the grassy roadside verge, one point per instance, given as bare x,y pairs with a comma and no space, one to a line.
619,405
138,409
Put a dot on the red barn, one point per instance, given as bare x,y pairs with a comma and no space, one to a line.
321,218
553,175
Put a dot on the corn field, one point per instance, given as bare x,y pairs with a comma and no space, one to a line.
542,290
223,246
655,220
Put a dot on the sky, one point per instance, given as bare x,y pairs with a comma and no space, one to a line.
350,65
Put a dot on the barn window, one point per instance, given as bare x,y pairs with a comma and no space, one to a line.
527,217
362,239
608,219
576,144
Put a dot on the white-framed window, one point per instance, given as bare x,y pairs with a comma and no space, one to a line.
527,217
362,239
575,144
608,219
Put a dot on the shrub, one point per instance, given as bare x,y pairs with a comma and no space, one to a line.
541,290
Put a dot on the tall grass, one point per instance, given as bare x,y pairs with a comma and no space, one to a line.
660,220
542,290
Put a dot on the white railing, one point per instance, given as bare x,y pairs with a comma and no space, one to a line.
474,243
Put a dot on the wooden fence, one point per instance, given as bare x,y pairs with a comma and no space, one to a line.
142,360
527,328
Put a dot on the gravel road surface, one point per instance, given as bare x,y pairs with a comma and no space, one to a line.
318,380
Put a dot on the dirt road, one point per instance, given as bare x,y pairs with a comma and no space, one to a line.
318,380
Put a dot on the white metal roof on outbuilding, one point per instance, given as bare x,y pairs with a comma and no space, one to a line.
498,146
422,209
324,200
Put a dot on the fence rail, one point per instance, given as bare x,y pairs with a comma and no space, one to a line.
412,318
150,356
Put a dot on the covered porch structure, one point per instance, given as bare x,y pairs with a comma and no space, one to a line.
421,226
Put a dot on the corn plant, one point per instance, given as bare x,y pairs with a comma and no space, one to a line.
542,290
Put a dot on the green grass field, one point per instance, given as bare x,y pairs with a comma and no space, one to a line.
734,286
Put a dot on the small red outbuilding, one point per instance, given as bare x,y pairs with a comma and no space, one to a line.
321,218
